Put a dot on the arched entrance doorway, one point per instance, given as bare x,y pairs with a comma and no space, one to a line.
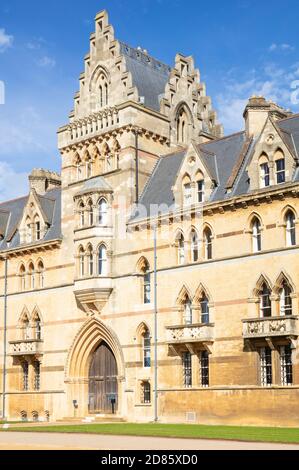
103,385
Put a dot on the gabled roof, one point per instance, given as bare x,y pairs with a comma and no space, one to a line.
290,128
11,213
226,161
149,75
158,190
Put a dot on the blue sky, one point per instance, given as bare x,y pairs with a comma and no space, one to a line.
241,47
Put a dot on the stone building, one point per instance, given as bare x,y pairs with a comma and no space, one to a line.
143,153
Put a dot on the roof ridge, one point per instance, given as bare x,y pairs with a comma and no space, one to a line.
146,56
294,116
149,179
13,200
223,138
183,149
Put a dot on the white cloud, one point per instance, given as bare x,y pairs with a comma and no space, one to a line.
12,183
281,47
5,40
46,62
30,135
271,81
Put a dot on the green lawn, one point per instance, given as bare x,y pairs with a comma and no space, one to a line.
282,435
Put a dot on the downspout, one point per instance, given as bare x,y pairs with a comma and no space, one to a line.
4,341
136,166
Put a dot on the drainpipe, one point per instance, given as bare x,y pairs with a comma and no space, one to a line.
136,166
4,341
156,324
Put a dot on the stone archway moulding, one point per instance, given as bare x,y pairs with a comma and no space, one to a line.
92,333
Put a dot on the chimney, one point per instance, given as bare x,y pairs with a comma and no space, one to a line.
256,114
44,180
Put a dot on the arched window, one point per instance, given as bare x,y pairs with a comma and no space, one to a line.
29,237
187,191
200,182
90,260
90,212
208,243
81,261
146,282
285,303
205,309
78,166
182,126
280,166
290,221
31,276
37,228
256,235
22,274
102,261
103,212
181,249
264,171
145,392
36,324
88,167
188,314
82,214
265,301
41,274
194,247
103,91
146,348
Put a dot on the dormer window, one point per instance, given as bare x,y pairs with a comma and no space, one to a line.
280,171
187,190
265,175
187,194
38,230
200,186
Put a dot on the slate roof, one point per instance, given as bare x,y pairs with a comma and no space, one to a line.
95,184
290,126
11,213
226,161
149,75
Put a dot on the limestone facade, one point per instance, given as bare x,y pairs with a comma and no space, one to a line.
143,153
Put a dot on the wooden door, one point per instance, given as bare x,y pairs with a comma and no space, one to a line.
103,381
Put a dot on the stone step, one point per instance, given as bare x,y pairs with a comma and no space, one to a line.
93,419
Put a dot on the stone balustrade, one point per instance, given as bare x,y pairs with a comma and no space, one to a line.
190,333
26,347
269,327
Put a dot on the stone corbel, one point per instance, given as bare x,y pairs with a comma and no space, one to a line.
270,343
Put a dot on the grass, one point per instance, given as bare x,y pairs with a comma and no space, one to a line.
253,434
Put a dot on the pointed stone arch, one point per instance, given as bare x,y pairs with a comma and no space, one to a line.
287,209
24,315
141,330
89,337
184,294
263,279
283,276
142,265
200,292
36,313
